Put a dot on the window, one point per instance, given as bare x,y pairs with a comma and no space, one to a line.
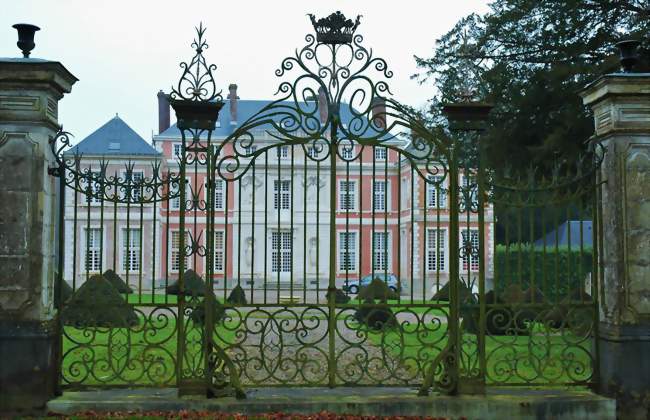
218,251
380,153
136,185
249,150
436,193
130,249
470,191
218,200
379,197
312,151
93,247
94,193
436,249
281,195
380,251
347,195
176,201
178,149
347,152
347,251
281,245
282,152
176,251
470,255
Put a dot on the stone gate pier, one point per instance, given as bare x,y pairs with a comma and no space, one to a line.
621,108
30,90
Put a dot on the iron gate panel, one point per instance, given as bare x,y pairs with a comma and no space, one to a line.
272,232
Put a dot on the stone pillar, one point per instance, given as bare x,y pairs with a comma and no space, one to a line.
621,108
30,90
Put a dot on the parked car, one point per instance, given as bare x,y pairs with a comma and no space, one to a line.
353,285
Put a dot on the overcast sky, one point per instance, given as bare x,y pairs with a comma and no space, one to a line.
123,52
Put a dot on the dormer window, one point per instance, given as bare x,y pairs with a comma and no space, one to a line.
114,146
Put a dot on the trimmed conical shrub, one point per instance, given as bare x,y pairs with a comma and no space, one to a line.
198,314
377,290
98,304
117,282
194,285
375,316
66,290
237,296
339,296
442,294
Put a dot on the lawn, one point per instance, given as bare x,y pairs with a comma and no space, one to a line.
545,357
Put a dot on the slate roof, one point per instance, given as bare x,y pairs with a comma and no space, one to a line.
245,109
572,226
114,138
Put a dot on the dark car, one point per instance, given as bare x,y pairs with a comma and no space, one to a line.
353,285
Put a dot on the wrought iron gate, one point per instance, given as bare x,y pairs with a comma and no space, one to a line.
331,238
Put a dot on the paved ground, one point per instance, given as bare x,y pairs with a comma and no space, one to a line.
496,404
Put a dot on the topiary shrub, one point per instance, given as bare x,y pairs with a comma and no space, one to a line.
117,282
339,296
198,314
375,316
64,289
443,293
98,304
194,285
377,290
237,296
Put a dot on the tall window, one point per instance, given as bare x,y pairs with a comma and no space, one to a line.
470,255
178,149
380,251
436,249
94,189
436,192
281,195
136,185
470,191
379,196
93,247
282,152
218,250
312,151
176,251
131,249
347,195
281,247
380,153
347,151
249,150
219,193
347,251
176,201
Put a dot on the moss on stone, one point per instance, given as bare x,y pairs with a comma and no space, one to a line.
194,285
117,282
98,304
237,296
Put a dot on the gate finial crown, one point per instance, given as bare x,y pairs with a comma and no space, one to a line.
335,29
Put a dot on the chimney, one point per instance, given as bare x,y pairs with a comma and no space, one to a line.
379,112
322,105
232,96
163,112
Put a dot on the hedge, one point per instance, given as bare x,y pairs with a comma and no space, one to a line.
565,269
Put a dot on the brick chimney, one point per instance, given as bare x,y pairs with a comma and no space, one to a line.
322,105
379,112
163,112
232,97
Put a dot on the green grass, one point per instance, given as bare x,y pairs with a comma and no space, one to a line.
146,298
143,355
542,358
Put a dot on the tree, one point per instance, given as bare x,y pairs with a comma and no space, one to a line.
530,58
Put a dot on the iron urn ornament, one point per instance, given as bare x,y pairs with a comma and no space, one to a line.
26,33
628,54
